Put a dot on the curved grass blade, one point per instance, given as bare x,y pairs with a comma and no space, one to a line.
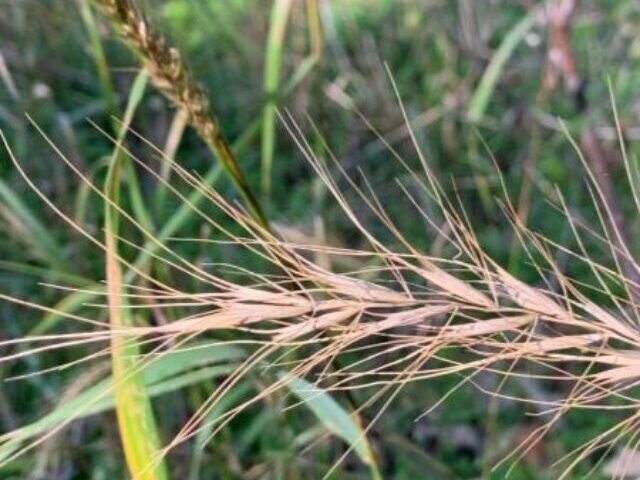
137,426
487,85
335,419
273,60
170,372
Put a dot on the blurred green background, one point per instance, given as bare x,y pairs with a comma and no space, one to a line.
467,72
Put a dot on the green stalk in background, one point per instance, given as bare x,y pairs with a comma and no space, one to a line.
110,97
483,92
482,96
274,92
273,60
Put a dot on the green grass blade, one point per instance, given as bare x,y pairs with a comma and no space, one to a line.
273,60
135,194
68,305
186,211
334,418
104,78
299,74
489,80
81,203
170,372
107,91
631,165
138,431
44,273
229,400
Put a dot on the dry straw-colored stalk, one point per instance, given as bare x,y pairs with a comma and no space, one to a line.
170,74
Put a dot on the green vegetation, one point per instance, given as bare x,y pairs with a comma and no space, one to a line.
279,240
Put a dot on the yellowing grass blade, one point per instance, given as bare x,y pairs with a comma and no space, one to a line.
138,431
489,80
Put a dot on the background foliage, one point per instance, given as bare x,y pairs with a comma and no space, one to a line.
61,63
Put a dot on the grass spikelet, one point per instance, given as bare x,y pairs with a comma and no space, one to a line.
170,74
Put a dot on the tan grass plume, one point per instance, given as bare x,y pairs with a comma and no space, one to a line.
389,328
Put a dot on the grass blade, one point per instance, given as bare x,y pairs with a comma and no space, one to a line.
231,399
489,80
138,430
335,419
108,92
170,372
46,274
273,60
39,238
102,67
